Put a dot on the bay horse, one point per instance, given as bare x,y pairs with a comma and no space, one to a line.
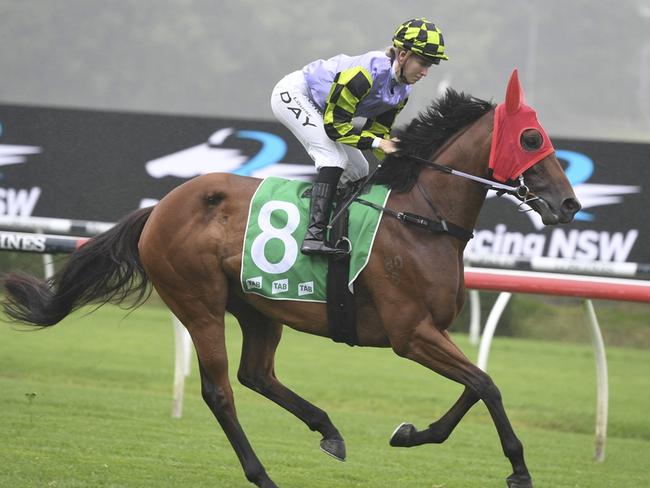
189,246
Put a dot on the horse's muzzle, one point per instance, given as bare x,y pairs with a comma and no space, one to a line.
563,215
570,207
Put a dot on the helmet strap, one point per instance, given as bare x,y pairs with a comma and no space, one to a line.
400,65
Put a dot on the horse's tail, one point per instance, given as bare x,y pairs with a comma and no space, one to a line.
105,269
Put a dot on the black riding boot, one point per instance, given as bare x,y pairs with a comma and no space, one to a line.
322,195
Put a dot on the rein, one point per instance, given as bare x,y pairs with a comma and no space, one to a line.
521,191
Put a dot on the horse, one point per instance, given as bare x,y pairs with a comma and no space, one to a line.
189,247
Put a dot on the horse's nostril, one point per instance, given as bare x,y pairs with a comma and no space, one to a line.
571,206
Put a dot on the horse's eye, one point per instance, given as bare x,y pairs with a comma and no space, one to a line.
531,140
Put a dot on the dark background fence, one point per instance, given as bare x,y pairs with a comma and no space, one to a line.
95,165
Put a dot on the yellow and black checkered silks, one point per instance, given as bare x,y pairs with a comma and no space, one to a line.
348,89
421,37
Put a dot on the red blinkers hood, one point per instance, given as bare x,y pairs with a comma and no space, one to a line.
508,159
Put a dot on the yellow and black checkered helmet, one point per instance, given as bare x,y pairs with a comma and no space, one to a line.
421,37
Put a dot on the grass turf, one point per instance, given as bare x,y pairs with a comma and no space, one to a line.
87,404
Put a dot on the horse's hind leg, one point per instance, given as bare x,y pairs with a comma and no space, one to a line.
256,371
434,349
204,319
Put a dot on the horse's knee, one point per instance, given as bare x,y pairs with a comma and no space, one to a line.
486,389
216,397
255,381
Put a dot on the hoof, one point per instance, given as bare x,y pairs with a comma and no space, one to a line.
402,435
519,481
268,484
333,447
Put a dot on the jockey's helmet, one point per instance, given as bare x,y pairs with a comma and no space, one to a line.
421,37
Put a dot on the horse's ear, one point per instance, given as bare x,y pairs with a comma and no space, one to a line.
514,94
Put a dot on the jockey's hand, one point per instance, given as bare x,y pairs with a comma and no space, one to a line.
389,146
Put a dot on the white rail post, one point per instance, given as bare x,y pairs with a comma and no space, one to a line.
490,326
602,394
182,347
188,347
48,265
48,261
475,316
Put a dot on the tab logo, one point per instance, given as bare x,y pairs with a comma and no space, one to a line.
306,288
254,283
280,286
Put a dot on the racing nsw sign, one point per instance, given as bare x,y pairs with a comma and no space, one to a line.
611,181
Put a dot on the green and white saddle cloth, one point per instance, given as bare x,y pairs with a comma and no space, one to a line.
272,264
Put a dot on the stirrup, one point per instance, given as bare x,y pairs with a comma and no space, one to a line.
315,247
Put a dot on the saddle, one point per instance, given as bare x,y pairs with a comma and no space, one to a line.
273,267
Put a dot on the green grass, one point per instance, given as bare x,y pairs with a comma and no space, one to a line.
87,404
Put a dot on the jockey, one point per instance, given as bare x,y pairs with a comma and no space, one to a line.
317,104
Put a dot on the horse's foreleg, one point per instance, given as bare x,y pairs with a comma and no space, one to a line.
434,349
406,435
256,371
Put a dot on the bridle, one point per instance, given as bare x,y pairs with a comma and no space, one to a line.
521,192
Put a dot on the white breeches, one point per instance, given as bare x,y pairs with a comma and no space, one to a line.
293,107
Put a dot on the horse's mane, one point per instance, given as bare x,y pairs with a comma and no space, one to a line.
426,133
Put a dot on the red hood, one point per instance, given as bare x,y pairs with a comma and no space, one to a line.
508,159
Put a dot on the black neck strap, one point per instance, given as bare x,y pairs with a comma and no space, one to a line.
435,227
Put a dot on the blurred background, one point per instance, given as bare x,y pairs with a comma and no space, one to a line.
585,65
